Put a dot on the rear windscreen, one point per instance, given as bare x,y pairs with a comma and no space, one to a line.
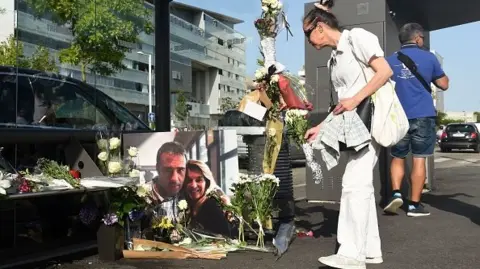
461,128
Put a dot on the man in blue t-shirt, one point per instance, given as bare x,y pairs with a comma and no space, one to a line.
418,105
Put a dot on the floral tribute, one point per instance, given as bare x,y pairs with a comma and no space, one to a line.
111,159
283,94
282,90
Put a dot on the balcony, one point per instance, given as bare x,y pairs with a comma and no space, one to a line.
187,31
43,27
232,82
222,31
199,110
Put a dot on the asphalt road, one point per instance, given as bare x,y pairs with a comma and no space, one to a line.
449,238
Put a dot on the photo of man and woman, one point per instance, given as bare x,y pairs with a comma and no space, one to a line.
193,167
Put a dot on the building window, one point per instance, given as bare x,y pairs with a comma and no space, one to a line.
228,88
220,42
220,72
237,77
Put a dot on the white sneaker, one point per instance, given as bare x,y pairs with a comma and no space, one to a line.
374,260
342,262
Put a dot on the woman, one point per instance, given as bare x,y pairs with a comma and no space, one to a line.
205,211
358,234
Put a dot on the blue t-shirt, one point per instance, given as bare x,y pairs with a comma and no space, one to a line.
415,99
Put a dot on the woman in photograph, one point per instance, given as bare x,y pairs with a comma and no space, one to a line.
205,212
353,51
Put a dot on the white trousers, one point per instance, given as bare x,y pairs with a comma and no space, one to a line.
357,232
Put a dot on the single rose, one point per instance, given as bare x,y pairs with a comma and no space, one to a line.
114,167
133,152
102,156
114,143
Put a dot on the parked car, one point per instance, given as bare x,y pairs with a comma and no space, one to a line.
460,136
36,99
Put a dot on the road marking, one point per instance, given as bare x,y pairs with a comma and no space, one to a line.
441,160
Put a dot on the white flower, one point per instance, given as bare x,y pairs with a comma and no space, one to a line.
274,5
274,79
272,132
133,152
185,241
143,190
102,156
271,178
182,205
4,184
102,144
114,143
134,173
114,167
280,5
265,8
260,73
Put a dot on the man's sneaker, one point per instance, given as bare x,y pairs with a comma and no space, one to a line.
418,211
394,204
342,262
374,260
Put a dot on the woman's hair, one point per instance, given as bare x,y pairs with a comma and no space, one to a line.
321,13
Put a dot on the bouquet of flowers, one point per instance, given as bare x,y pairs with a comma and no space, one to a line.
297,125
272,19
110,157
128,201
253,201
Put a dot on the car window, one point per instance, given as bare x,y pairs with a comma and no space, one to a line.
128,120
47,102
462,128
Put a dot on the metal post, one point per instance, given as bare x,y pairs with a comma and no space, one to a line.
150,83
162,65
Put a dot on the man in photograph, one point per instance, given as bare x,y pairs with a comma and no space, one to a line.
171,165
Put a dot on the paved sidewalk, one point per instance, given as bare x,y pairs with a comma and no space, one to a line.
449,238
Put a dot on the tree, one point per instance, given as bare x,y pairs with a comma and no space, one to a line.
441,116
101,30
41,60
477,116
12,54
181,108
227,103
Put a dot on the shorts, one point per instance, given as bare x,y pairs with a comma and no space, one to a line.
420,139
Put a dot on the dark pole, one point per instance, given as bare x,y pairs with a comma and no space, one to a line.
162,65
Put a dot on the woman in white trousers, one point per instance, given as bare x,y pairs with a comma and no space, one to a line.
353,50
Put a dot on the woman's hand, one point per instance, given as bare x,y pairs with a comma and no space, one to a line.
347,104
312,133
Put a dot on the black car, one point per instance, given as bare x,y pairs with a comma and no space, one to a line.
39,100
460,136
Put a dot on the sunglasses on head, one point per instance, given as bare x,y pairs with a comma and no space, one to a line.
309,31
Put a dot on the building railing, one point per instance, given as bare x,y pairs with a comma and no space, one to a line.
187,25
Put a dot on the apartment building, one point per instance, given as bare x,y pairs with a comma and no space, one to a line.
207,57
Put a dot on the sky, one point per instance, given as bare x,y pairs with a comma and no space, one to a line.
458,47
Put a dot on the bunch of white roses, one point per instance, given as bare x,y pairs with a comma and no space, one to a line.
110,155
272,6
